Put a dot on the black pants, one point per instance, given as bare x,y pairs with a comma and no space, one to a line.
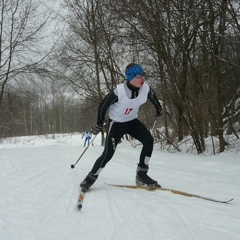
116,130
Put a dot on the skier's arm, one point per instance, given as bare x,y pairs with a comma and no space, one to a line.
104,105
154,100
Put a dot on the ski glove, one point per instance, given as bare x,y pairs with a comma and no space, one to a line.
158,113
96,129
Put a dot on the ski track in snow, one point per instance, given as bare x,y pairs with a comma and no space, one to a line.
39,192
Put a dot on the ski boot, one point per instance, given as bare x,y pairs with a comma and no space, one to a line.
143,179
88,181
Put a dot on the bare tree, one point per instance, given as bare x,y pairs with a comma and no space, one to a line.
192,80
21,32
189,49
89,54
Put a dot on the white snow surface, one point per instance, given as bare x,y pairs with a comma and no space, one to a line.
39,192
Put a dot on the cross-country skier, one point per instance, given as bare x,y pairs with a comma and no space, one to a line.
88,136
123,103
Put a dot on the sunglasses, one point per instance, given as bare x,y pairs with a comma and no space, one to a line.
140,75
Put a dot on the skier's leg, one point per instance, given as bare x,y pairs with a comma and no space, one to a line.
85,142
115,132
141,133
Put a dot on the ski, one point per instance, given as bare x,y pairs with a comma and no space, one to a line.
172,191
81,198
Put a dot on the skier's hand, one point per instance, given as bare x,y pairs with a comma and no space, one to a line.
158,113
96,129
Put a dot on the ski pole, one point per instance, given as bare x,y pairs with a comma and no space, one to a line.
153,126
73,165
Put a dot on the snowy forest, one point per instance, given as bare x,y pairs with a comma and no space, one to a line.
58,59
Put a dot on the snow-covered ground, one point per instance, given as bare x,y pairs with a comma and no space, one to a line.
39,192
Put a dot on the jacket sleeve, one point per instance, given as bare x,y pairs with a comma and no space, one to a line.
104,105
154,100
